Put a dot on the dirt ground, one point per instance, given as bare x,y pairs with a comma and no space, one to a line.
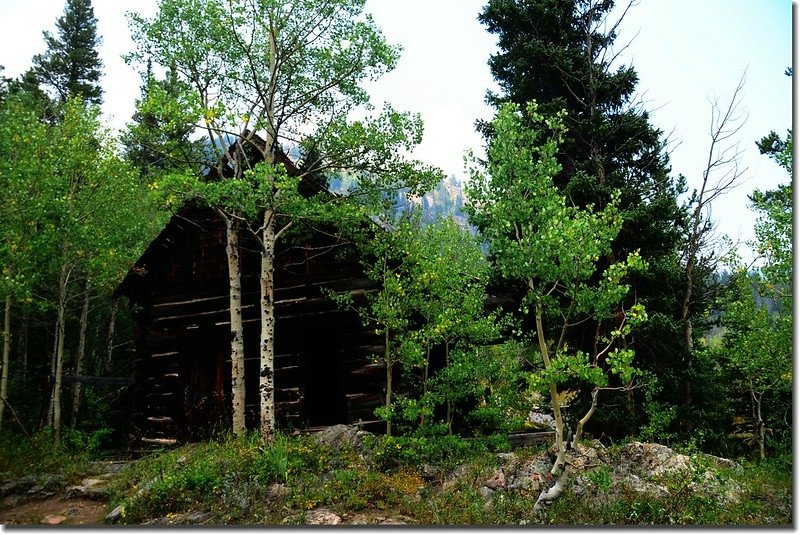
54,511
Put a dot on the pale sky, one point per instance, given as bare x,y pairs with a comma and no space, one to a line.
685,51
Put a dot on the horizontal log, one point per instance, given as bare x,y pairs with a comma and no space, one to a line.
172,304
363,400
164,354
159,419
98,381
521,439
159,441
367,370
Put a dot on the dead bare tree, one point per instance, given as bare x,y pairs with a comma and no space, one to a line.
723,172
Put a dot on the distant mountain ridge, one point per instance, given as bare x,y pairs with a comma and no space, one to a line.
445,200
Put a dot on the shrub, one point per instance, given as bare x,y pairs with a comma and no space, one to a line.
39,454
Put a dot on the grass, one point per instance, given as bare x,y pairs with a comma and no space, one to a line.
39,455
243,481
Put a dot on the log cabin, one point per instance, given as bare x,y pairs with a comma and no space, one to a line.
179,287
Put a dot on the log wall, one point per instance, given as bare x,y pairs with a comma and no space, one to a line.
182,369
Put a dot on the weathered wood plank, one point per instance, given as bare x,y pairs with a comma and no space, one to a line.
98,381
521,439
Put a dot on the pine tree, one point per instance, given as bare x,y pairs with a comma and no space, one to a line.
71,65
154,142
561,54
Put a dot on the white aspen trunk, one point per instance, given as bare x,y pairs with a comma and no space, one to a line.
52,376
425,379
762,428
388,400
582,422
79,357
110,348
558,465
6,356
63,280
266,384
237,330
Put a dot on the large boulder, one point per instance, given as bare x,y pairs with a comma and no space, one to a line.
322,517
340,436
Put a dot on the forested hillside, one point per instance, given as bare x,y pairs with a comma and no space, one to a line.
569,284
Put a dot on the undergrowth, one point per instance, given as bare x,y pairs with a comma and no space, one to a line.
425,480
40,455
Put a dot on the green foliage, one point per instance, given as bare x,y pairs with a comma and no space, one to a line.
157,141
601,477
755,348
224,478
431,283
660,416
549,250
442,451
39,455
559,53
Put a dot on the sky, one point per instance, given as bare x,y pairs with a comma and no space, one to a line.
687,53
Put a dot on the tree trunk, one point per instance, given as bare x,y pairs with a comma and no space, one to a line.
23,347
762,429
6,357
558,465
586,417
449,414
63,280
110,348
237,337
52,377
388,400
425,372
266,385
551,494
79,358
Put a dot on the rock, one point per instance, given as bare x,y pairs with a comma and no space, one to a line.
115,515
340,435
508,457
452,478
651,460
90,488
640,486
722,462
429,471
8,488
392,522
359,519
277,491
486,492
196,517
540,421
458,472
54,520
322,517
108,468
496,481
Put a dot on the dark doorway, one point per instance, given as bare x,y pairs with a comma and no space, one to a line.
325,402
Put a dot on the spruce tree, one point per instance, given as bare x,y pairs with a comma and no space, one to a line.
154,142
71,65
561,54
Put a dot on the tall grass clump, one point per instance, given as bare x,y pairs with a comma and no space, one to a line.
228,476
